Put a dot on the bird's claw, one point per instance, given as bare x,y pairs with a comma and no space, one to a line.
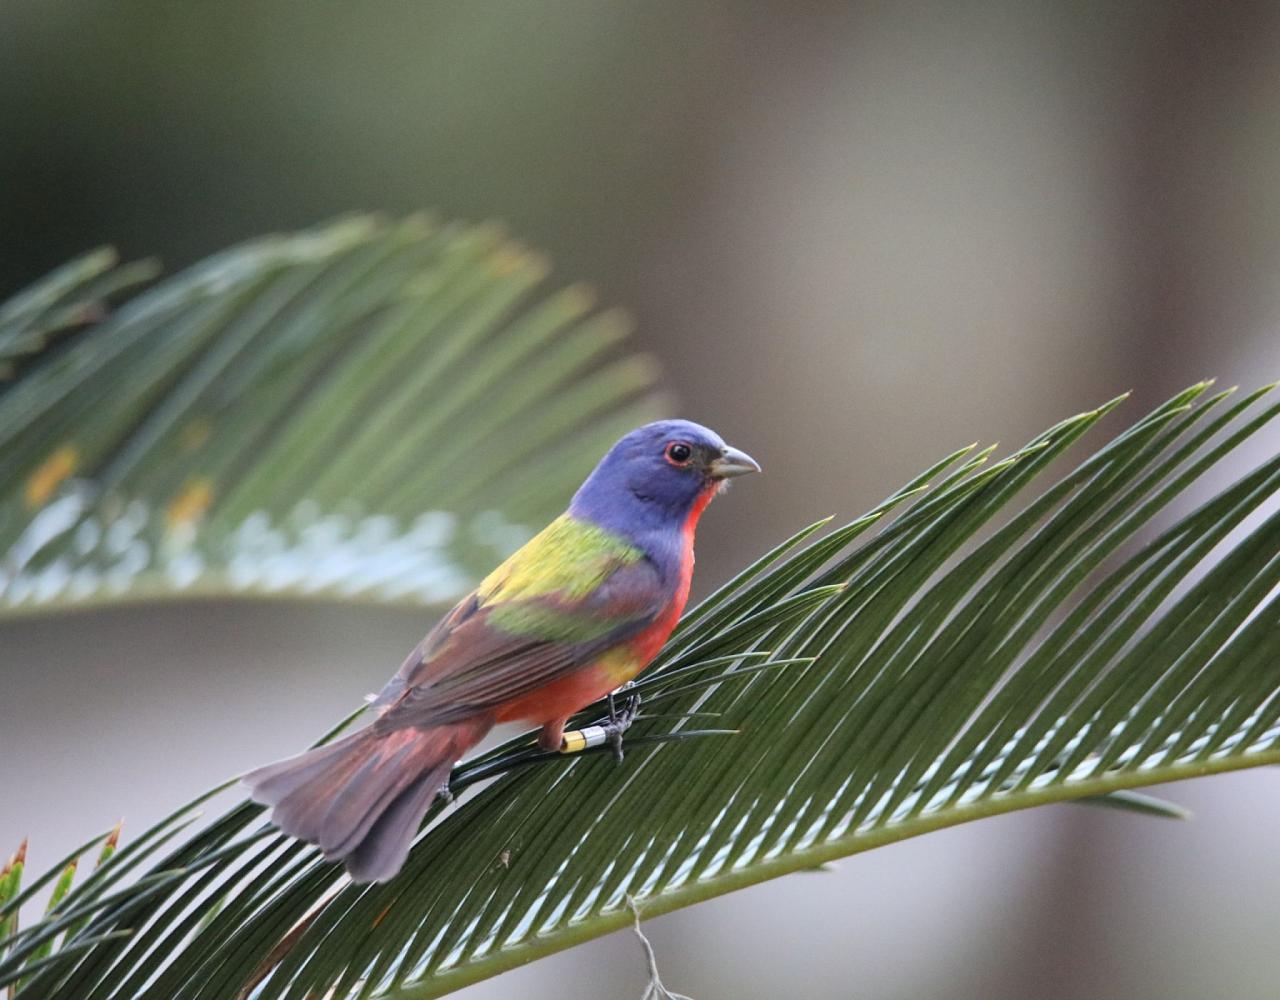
445,794
614,735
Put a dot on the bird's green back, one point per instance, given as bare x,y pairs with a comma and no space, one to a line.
567,558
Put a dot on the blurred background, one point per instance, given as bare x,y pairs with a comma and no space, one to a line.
856,235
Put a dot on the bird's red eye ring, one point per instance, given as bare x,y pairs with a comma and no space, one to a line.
678,453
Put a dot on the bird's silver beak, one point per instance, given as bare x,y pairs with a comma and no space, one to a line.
732,462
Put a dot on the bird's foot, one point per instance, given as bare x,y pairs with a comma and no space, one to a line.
620,720
445,794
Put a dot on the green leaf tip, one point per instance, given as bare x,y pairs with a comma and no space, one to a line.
1111,404
112,841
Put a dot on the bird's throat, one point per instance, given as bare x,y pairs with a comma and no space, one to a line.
699,505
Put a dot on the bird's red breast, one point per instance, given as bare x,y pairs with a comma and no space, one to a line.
617,666
647,643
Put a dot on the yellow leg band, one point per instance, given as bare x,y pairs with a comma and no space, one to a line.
577,740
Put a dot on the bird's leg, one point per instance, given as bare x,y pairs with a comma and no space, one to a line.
551,735
611,732
620,721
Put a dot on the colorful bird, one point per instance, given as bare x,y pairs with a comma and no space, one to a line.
573,615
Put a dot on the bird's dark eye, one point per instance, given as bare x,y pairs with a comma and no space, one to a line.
679,453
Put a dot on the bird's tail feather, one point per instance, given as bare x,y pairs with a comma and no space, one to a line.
361,799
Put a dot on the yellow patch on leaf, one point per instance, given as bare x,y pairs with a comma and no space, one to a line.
190,505
578,298
195,434
381,916
511,257
51,474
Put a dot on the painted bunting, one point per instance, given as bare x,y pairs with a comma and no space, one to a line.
573,615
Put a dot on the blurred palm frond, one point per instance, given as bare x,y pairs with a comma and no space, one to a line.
368,410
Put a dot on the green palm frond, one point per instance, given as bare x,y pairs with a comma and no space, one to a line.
952,655
367,410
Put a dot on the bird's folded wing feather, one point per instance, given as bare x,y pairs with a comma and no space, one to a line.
504,641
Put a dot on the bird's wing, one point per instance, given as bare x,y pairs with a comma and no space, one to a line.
551,609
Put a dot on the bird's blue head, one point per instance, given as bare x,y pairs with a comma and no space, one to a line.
660,476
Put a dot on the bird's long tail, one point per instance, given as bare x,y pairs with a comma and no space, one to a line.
361,799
